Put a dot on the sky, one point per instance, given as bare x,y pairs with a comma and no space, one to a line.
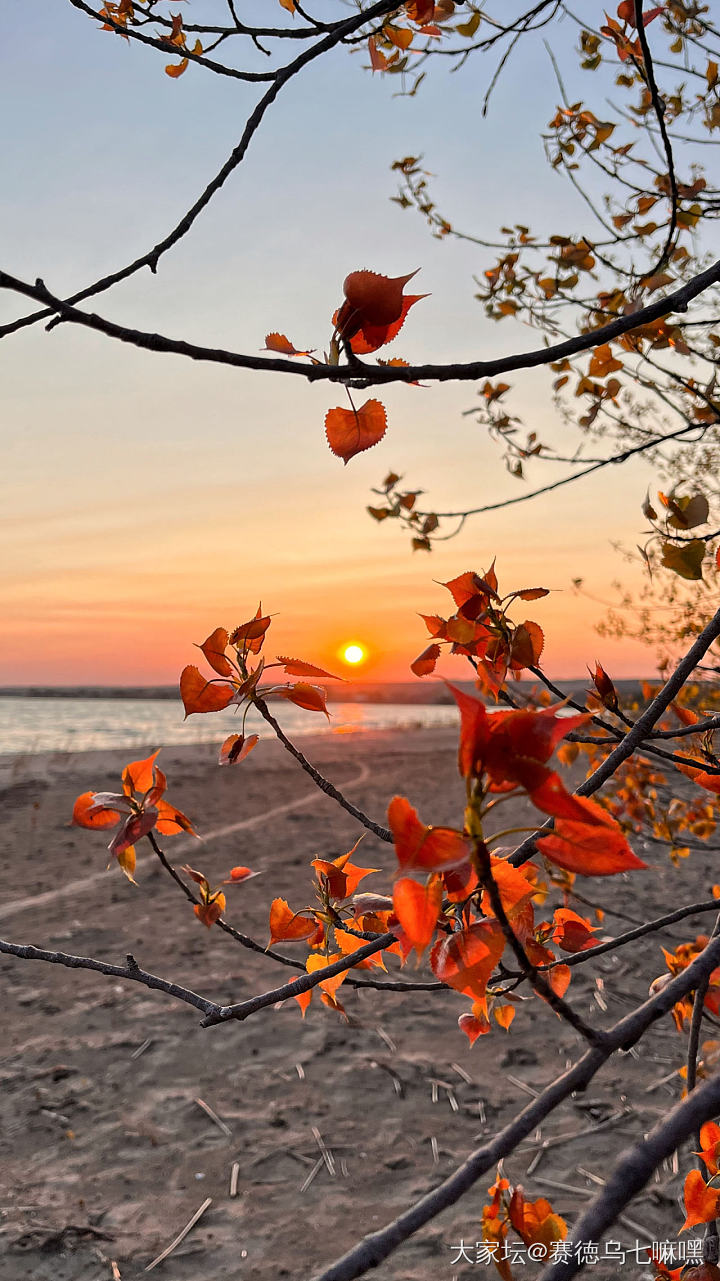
147,499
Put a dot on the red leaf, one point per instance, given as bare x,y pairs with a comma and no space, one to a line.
350,431
214,650
303,695
465,960
201,695
596,847
430,849
473,1025
371,299
424,664
236,748
294,667
250,636
572,933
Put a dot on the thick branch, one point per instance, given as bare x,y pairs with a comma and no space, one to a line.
371,1251
635,1168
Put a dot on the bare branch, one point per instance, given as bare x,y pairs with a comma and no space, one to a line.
131,970
371,1251
359,374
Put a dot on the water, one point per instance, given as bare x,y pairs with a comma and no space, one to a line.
84,724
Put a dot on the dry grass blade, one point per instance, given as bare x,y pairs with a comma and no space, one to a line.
327,1155
464,1076
522,1085
181,1235
313,1174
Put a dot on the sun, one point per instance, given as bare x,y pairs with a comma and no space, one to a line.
353,654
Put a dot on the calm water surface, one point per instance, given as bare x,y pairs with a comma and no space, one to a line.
84,724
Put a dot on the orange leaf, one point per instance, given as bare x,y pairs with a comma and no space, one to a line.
417,908
214,650
281,344
101,819
303,695
201,695
211,911
288,926
350,431
139,776
348,942
236,748
315,963
303,999
504,1015
526,646
294,667
532,593
176,69
430,849
515,890
240,873
702,1203
170,820
559,979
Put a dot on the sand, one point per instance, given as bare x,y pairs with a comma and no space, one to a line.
107,1152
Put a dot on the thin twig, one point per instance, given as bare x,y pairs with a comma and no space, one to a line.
181,1235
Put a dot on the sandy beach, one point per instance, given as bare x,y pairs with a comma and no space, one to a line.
107,1151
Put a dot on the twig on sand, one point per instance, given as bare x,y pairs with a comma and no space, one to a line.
234,1176
216,1120
181,1235
315,1171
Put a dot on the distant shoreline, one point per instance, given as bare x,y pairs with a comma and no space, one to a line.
434,693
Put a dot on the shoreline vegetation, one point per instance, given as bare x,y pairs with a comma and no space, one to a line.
433,692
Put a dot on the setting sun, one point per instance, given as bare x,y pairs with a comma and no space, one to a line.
353,654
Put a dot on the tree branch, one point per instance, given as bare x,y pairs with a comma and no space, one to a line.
383,833
359,374
131,970
635,1167
371,1251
